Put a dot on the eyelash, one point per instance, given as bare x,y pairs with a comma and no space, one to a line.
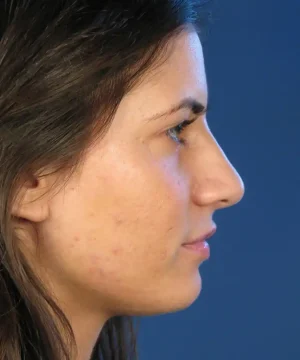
179,130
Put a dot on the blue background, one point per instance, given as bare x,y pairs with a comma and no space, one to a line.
249,305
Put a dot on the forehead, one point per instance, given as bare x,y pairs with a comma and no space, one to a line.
181,75
184,70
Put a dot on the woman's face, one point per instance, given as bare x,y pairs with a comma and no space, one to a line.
111,240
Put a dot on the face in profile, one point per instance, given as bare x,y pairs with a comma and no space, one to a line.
111,240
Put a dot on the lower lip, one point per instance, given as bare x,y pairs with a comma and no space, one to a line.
199,247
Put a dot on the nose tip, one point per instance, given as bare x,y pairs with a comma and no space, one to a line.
234,192
224,188
241,189
216,182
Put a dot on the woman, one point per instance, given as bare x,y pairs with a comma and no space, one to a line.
108,168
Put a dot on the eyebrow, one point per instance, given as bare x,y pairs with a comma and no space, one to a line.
190,103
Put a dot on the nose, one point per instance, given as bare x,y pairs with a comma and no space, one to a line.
216,183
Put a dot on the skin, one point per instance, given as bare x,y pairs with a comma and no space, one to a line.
110,242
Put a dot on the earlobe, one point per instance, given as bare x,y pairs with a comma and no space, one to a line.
31,203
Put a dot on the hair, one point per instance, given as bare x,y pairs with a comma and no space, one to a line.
65,65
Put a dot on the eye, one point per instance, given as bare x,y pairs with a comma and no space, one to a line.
175,131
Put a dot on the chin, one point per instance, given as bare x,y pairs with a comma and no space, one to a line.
177,299
186,295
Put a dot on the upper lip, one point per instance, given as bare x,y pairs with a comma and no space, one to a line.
204,237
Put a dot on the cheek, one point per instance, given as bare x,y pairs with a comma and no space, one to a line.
100,268
140,191
144,217
121,227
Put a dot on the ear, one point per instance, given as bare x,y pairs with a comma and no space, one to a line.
31,203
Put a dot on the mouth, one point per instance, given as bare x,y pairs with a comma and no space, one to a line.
203,238
199,246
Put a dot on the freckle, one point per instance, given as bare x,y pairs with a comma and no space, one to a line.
94,259
163,255
118,221
91,270
116,251
76,238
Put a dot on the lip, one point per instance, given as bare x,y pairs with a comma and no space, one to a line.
202,238
200,247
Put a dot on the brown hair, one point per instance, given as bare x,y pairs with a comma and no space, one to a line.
64,68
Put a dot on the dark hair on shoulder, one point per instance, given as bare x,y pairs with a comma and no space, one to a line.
64,67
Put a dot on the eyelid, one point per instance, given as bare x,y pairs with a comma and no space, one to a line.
182,120
184,124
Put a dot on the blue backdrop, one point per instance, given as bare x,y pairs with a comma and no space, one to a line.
249,305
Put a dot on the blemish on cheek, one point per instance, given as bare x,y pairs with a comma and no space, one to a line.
75,240
94,259
95,265
116,251
96,271
163,254
118,220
